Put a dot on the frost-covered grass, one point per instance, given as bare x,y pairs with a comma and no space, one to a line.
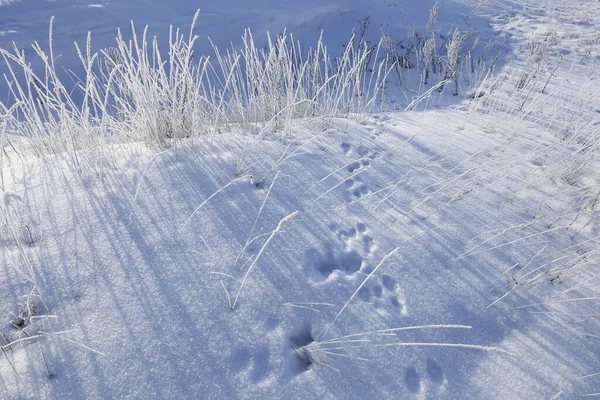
132,92
136,92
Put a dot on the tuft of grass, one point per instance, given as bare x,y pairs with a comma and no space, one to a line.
135,92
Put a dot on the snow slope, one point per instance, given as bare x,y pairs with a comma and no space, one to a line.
476,224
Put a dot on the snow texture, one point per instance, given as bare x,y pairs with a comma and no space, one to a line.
137,267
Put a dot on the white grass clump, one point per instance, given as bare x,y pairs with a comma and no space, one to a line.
135,92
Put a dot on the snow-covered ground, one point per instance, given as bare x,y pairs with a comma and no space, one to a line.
446,251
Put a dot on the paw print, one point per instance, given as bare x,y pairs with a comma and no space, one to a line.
355,189
358,236
434,380
345,257
385,296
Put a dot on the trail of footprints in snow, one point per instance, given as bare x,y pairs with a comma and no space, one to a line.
383,292
362,151
355,186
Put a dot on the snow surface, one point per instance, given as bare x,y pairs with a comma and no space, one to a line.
136,264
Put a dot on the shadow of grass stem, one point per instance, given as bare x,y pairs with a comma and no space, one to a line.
275,232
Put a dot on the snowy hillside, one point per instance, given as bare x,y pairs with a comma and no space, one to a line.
415,217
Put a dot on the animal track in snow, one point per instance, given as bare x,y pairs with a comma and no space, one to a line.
348,261
347,257
412,380
433,381
239,360
356,188
386,296
299,360
255,364
358,235
358,165
362,151
346,147
365,152
260,365
354,166
435,372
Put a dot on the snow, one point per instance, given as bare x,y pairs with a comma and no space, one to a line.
466,219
